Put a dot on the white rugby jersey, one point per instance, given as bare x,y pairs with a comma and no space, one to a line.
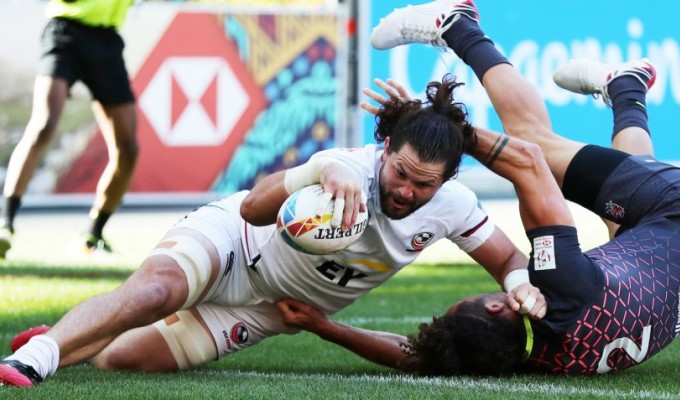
332,282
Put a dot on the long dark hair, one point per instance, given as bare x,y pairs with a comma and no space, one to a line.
469,343
437,129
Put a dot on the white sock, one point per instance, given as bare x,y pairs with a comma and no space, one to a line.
41,353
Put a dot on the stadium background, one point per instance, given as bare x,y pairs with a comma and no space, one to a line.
231,91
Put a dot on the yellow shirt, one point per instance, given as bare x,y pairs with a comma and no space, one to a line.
101,13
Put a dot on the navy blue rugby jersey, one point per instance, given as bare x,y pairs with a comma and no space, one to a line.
610,308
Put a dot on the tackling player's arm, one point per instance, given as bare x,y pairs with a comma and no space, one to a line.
499,256
540,200
384,348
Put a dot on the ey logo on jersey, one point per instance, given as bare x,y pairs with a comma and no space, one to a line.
419,241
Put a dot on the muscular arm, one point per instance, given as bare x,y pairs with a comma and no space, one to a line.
384,348
541,202
262,204
498,255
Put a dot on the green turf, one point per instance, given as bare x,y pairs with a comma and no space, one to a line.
303,366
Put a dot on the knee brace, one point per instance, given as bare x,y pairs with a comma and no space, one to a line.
190,344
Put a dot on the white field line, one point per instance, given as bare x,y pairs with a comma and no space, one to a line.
462,383
384,320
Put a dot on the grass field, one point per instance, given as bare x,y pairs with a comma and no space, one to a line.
302,366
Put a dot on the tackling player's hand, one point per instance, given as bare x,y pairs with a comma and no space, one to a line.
297,314
527,299
393,90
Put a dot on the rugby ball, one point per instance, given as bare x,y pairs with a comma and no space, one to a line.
306,227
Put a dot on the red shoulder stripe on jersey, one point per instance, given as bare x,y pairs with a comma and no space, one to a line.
469,232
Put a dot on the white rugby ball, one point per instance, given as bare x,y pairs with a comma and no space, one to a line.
302,229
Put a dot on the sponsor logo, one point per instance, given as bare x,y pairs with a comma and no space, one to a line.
420,240
339,274
238,334
337,233
614,210
544,253
230,263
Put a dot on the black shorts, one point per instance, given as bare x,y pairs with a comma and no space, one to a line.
628,190
93,55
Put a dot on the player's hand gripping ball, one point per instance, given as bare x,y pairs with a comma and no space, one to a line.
304,223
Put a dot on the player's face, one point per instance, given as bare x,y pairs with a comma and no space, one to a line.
406,183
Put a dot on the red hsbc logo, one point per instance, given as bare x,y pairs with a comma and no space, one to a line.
194,101
197,101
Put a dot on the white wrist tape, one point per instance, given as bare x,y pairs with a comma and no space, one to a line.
303,175
515,278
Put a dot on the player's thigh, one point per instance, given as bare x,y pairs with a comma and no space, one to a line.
235,328
179,341
139,349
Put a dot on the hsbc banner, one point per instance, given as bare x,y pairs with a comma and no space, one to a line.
225,99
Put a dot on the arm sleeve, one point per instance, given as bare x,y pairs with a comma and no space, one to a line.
568,279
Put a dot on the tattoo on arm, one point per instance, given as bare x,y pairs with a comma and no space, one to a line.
406,348
496,150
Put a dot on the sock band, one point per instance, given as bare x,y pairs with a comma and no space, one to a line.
41,353
628,96
470,43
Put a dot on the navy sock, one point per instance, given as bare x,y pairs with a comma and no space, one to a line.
628,96
12,205
98,223
468,41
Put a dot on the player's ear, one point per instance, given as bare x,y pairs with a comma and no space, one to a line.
386,150
494,307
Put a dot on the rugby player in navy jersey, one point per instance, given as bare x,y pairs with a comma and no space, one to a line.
609,308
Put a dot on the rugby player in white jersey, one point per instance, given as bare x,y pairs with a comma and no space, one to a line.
210,286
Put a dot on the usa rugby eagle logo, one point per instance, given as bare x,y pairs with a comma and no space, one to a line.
420,240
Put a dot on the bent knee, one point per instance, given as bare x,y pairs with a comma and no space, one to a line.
154,291
125,155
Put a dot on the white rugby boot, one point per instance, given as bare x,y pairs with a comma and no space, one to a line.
423,23
592,77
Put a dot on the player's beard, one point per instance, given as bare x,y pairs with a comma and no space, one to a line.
389,200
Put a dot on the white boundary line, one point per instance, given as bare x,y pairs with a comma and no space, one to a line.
409,319
493,385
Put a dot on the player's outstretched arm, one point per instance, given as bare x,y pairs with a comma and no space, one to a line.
541,202
384,348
